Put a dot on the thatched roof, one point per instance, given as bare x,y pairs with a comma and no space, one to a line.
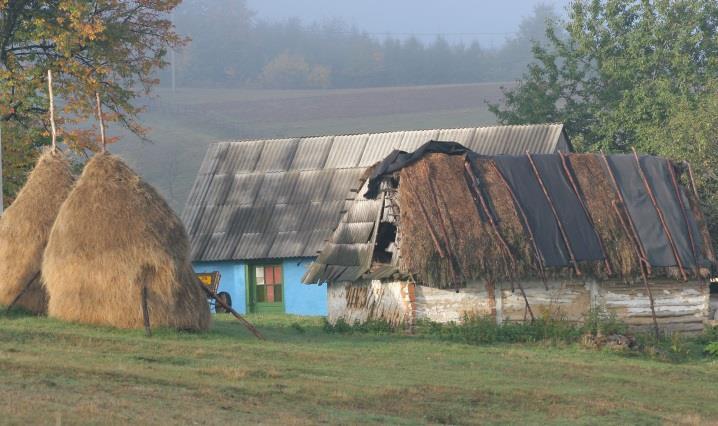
25,228
281,198
444,218
115,234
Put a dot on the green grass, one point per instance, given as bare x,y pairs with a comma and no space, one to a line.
55,372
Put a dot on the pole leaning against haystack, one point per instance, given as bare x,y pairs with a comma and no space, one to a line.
236,314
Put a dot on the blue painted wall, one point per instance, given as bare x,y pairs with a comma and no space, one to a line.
299,299
302,299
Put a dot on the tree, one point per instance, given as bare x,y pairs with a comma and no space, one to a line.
630,73
114,47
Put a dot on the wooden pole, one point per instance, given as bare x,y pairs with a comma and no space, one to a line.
146,311
24,290
684,212
485,208
562,231
659,211
643,273
101,119
442,226
229,309
693,182
52,111
574,186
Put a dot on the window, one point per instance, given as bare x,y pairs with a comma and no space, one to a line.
268,283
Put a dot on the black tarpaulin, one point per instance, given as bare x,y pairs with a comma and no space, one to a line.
397,160
519,175
644,214
579,230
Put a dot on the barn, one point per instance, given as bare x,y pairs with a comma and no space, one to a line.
260,210
443,232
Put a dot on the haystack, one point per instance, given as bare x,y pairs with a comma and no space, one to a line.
114,236
24,230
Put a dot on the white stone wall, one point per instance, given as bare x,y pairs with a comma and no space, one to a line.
679,306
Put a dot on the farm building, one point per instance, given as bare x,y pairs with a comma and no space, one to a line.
260,210
442,232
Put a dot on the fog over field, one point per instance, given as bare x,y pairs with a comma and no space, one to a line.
285,68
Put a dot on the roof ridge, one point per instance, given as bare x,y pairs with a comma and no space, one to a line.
384,132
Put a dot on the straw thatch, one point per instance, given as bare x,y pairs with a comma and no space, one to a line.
24,230
113,235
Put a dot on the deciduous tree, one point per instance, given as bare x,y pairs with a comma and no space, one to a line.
113,47
631,73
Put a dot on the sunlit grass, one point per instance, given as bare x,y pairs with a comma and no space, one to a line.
83,374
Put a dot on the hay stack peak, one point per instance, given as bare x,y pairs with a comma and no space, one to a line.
24,230
114,233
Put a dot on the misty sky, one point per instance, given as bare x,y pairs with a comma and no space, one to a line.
488,21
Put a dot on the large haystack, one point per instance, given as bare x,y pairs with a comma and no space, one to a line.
25,228
111,231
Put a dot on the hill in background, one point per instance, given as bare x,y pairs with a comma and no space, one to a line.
183,123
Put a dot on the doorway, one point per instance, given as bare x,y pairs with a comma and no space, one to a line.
266,288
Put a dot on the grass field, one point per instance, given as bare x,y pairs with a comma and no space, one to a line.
55,373
183,123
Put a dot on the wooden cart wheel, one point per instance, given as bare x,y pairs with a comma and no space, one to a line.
226,298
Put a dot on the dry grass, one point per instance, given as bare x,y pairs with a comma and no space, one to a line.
111,229
25,228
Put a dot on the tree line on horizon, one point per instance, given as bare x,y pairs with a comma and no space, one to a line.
229,48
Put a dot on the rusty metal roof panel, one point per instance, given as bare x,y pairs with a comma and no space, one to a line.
277,155
379,145
417,138
312,153
346,151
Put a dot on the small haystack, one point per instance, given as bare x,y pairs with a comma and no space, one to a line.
114,236
24,230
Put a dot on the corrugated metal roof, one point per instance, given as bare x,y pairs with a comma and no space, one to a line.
282,198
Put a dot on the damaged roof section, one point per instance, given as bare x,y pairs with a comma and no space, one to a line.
282,198
460,216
